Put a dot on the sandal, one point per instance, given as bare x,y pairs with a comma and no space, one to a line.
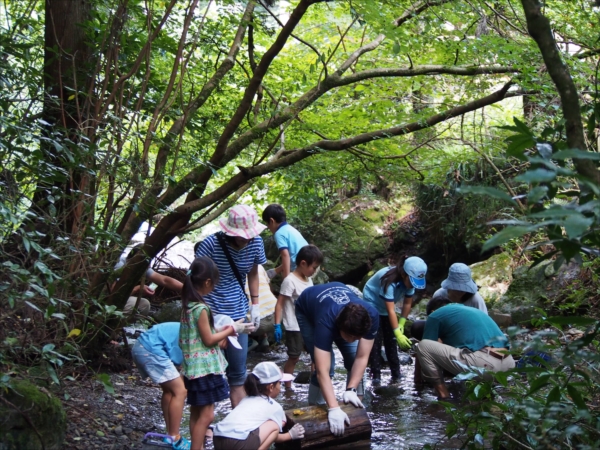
182,444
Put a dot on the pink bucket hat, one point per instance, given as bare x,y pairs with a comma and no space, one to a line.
243,222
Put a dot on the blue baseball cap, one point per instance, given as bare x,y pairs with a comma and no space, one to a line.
416,269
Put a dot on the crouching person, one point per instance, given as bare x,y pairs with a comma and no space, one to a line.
468,336
257,421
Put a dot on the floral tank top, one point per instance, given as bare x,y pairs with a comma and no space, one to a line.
198,359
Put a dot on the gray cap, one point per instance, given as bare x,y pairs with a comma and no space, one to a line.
459,279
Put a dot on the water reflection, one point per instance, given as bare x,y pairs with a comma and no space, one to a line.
402,416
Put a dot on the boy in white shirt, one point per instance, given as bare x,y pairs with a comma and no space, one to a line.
307,262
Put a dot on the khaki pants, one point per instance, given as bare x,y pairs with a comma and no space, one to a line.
143,306
435,357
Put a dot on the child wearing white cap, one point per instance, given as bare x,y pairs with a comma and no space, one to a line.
383,290
257,421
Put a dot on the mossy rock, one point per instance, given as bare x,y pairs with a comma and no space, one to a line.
43,410
533,288
351,235
377,266
169,312
493,276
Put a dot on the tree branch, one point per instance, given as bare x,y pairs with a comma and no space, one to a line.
293,156
540,30
133,221
256,80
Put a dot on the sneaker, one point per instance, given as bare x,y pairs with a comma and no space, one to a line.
182,444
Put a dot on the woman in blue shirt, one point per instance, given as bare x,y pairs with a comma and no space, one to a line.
383,290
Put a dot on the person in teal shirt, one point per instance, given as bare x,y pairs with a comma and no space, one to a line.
458,336
383,290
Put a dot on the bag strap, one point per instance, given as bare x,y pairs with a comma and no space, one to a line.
221,238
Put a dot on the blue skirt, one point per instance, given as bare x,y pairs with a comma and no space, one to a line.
206,390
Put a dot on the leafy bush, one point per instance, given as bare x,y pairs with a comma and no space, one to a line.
543,405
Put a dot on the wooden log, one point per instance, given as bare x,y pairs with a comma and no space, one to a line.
316,426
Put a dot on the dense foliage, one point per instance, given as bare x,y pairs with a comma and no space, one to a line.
115,113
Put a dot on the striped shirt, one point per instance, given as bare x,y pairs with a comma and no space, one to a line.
228,297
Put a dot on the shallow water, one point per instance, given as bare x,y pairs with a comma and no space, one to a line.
402,417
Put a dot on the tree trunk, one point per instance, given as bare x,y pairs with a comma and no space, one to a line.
60,193
316,426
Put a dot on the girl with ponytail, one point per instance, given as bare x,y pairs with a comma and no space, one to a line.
203,361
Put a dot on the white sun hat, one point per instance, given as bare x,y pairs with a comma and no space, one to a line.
268,372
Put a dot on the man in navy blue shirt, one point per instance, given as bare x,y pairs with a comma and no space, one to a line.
329,313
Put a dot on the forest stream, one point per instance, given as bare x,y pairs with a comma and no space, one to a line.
402,417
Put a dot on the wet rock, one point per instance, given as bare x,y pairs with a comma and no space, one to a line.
170,312
41,408
118,430
502,320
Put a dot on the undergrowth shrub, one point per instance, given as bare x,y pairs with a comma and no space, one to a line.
544,405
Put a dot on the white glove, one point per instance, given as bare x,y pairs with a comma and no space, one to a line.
297,432
242,327
336,418
351,397
255,315
271,273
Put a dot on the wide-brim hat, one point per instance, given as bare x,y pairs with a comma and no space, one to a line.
459,279
268,372
242,221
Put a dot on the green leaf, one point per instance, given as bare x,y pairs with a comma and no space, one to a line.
575,226
486,190
104,378
576,154
538,384
576,396
48,347
536,194
504,236
553,396
52,373
33,306
518,144
536,176
574,321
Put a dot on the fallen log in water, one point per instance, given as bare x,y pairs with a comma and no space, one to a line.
316,426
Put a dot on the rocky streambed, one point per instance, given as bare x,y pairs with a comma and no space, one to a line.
402,416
